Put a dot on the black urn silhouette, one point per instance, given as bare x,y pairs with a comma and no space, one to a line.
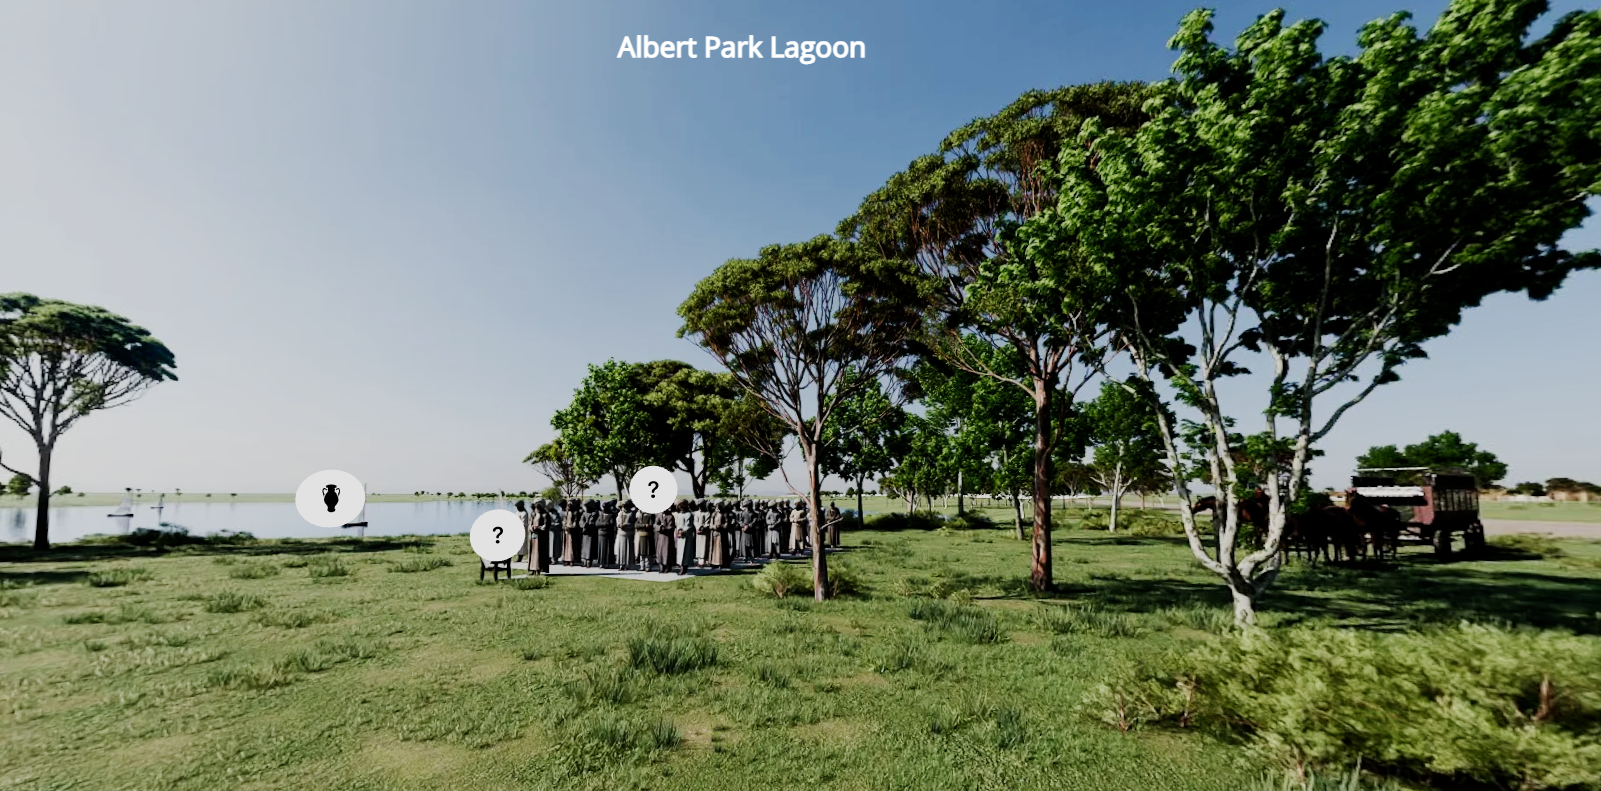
330,496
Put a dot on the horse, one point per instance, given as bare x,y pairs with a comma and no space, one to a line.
1253,512
1376,526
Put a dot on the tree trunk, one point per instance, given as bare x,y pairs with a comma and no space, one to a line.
1017,516
1244,604
861,515
1040,574
815,511
960,502
41,521
1117,495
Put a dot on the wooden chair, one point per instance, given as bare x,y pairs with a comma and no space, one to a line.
495,566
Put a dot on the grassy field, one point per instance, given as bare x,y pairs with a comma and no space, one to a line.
339,664
1543,512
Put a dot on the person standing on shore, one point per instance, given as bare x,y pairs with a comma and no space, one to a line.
623,542
834,520
572,534
775,535
644,532
797,527
683,533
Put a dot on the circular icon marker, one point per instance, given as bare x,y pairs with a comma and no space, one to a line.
497,535
331,498
653,489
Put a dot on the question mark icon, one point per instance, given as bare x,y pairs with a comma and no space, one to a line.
498,531
654,485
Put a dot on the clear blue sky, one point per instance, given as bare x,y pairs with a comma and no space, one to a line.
387,236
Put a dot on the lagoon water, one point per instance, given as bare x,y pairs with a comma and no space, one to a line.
263,520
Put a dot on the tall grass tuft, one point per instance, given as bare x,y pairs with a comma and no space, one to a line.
667,650
781,579
112,578
327,567
413,565
253,570
328,653
1089,620
232,602
298,618
531,583
962,622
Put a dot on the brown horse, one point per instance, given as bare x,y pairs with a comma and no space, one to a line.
1376,526
1253,512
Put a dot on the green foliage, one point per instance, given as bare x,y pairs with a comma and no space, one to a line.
1444,452
256,677
112,578
254,570
1483,704
1526,545
18,486
413,565
1089,620
327,566
920,520
843,579
1136,522
779,578
607,429
531,583
230,601
671,650
325,654
296,618
962,622
972,520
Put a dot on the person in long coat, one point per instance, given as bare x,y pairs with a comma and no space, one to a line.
751,529
573,532
718,555
834,520
797,527
623,544
643,534
775,534
665,525
683,534
703,532
541,518
727,528
607,533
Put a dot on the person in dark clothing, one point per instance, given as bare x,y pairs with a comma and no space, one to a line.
664,539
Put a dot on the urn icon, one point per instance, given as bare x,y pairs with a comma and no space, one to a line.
330,496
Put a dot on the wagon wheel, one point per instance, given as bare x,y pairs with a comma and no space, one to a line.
1442,543
1473,537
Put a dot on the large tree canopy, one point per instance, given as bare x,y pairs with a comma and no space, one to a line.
1330,214
59,362
802,328
953,214
1444,451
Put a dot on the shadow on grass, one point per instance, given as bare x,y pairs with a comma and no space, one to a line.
86,552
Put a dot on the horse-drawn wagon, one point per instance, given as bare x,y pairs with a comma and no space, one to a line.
1442,504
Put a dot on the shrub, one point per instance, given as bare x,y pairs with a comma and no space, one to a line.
780,579
1464,705
921,520
532,582
965,623
112,578
1135,522
843,579
233,601
327,567
253,571
671,650
971,520
617,686
412,565
905,654
295,562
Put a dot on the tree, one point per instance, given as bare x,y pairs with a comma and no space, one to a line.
1329,214
790,325
865,438
1444,451
608,429
59,362
19,485
1529,488
690,409
954,215
1128,444
552,461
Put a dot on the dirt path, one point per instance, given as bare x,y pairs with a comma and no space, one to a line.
1495,527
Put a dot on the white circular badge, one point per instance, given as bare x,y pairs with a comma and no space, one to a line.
331,498
653,489
497,535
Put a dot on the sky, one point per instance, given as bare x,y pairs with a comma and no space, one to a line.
387,236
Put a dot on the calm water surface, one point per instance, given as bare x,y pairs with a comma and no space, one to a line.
264,520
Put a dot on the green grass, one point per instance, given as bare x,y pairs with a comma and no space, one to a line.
1542,512
117,577
942,673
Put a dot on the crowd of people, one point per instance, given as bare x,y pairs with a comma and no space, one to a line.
700,533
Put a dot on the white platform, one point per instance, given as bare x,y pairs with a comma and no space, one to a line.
558,570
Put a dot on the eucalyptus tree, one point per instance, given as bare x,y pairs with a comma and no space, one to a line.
61,361
552,461
690,409
608,428
865,438
954,214
1327,216
803,327
1122,424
